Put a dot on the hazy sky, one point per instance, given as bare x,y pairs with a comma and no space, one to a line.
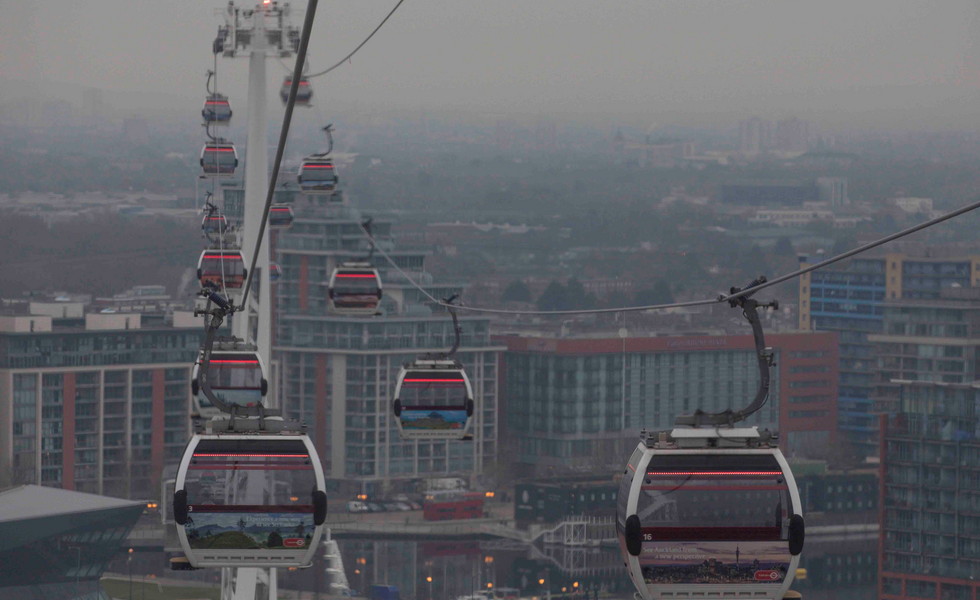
628,57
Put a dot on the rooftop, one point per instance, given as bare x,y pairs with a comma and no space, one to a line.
35,501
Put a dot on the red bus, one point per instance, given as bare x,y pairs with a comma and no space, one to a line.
449,505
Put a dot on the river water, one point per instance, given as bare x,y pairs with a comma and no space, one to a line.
837,569
432,569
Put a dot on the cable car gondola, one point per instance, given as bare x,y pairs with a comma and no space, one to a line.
280,215
317,175
237,377
249,500
303,93
433,400
214,223
718,496
217,110
354,289
222,269
709,510
219,158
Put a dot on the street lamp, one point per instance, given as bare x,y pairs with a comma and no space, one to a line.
547,588
129,565
428,580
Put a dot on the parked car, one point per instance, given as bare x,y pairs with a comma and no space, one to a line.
355,506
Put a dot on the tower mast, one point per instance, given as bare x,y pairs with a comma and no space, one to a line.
257,33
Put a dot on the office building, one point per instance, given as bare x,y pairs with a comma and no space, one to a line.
754,136
833,191
578,403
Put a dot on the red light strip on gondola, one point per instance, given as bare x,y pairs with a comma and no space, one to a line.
317,166
369,276
434,381
252,455
224,256
251,508
219,149
236,466
689,473
234,362
717,488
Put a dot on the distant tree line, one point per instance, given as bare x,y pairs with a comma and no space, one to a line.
101,255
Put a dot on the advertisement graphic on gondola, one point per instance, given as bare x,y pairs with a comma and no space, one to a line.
249,531
430,419
714,562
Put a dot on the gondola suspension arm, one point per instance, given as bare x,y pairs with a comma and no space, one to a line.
741,298
214,318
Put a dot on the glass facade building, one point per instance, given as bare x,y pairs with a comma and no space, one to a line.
572,402
851,301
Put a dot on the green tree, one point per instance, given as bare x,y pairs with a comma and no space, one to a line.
577,297
552,298
784,247
275,540
516,291
658,293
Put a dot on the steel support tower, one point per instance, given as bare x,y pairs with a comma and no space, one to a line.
257,33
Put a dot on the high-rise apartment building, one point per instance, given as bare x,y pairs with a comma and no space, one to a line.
930,496
96,405
833,191
754,136
851,301
339,372
927,340
930,451
570,401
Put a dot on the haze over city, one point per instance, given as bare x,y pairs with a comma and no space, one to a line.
877,63
451,306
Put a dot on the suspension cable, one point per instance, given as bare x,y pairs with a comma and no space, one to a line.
359,46
720,298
